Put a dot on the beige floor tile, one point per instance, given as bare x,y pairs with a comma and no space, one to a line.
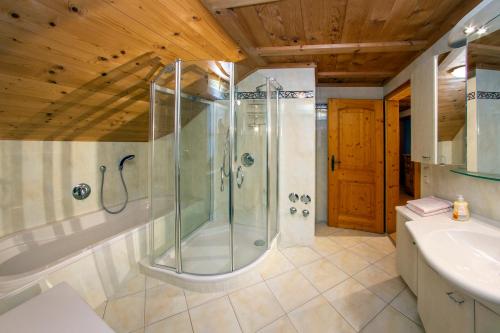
323,274
392,321
152,282
131,286
354,302
282,325
195,298
125,314
164,301
300,255
348,261
100,309
291,289
140,330
383,244
380,283
406,303
275,263
388,264
318,315
324,246
367,252
255,307
322,230
214,316
180,323
346,238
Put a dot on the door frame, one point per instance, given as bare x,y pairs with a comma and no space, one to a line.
392,150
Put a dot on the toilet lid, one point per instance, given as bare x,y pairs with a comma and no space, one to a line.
59,309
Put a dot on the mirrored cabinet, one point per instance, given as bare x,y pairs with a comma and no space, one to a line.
456,106
451,109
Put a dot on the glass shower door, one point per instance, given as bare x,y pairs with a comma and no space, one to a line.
250,165
204,168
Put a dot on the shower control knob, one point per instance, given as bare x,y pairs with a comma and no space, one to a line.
293,210
305,198
293,197
305,213
81,191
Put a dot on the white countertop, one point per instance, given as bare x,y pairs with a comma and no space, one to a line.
465,253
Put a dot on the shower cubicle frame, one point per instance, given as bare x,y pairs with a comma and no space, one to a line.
270,82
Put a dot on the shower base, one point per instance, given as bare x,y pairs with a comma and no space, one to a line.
206,258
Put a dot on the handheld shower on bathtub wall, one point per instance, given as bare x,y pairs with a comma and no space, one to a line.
120,168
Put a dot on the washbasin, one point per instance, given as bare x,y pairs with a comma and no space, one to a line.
466,254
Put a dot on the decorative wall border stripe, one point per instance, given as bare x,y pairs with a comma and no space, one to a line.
488,95
296,94
287,94
321,106
483,95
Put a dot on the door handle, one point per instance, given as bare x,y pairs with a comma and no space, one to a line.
334,162
240,177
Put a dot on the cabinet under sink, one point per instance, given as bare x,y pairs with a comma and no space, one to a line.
442,306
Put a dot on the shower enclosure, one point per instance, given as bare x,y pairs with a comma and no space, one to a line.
214,167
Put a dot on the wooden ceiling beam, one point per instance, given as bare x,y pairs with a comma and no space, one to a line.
225,4
347,74
289,65
238,31
345,48
349,84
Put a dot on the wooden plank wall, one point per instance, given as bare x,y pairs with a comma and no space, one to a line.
80,70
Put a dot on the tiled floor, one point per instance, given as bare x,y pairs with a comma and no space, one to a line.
345,282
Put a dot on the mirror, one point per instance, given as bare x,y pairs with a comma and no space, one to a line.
483,100
451,107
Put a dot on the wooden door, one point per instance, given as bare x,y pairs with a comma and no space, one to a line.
356,164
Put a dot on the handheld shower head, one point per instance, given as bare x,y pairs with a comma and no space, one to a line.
126,158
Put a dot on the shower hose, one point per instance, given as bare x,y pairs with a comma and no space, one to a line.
103,171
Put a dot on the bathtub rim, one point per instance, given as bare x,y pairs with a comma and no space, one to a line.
15,283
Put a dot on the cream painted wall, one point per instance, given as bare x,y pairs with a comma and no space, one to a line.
323,94
37,177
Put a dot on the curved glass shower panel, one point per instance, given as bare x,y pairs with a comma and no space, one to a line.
273,155
250,161
213,167
162,167
205,167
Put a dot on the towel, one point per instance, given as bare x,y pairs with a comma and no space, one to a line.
419,212
429,206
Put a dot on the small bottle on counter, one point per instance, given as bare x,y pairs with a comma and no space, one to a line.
461,209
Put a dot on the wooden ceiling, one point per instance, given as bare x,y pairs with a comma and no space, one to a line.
80,69
352,42
484,53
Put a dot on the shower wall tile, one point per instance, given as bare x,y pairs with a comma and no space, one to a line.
297,156
37,177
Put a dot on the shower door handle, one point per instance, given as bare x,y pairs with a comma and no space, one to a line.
222,178
240,177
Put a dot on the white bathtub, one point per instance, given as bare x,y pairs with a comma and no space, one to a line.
30,255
